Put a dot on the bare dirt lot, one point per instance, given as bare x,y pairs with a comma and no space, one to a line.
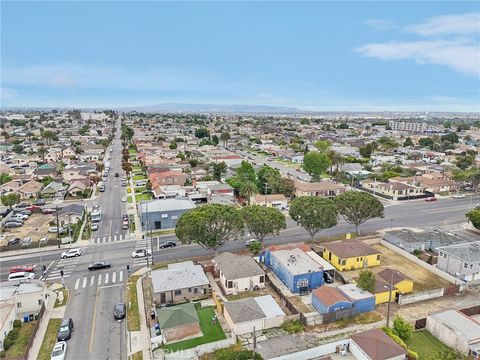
422,279
36,227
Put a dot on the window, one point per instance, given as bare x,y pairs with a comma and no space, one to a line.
178,292
174,217
195,290
358,259
40,301
189,289
19,305
262,279
344,262
465,266
378,257
164,216
229,284
339,261
302,283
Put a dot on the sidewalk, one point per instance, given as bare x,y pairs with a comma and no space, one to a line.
50,313
140,340
138,225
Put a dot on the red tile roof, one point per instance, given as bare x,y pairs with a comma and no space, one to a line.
329,295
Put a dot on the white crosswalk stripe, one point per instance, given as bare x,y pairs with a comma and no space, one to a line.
114,277
66,265
84,282
106,278
77,283
109,238
120,276
100,279
91,280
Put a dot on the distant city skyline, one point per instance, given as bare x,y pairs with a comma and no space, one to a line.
317,56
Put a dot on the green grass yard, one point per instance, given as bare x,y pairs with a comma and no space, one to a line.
129,199
211,332
141,197
425,344
20,345
140,189
49,339
139,177
132,151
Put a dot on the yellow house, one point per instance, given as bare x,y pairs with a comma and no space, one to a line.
351,254
402,284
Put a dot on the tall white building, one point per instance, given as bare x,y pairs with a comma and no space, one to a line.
408,126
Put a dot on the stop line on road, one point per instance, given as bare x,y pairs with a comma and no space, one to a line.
100,279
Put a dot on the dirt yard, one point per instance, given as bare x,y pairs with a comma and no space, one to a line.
36,227
422,279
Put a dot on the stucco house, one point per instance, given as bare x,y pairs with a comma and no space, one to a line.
178,322
351,254
323,188
238,273
375,345
461,260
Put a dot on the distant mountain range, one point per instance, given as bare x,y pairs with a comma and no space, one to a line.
212,108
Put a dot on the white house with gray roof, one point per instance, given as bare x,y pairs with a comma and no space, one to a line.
259,313
238,273
462,260
180,282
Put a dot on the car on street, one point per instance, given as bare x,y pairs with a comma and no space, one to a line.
98,265
94,227
21,275
167,244
48,211
13,241
141,253
458,196
59,351
65,330
251,242
12,224
125,225
124,198
125,217
431,199
71,253
22,268
117,174
119,311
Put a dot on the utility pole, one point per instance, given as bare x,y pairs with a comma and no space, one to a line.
266,189
58,227
389,300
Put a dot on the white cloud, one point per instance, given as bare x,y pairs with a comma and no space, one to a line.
463,24
380,24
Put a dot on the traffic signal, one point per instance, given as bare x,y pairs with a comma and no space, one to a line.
61,273
128,267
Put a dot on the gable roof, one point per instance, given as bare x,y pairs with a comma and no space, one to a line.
467,252
237,266
329,295
377,345
178,315
352,248
255,308
386,274
178,278
31,186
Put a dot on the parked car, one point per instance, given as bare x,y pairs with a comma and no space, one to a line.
59,351
12,224
13,241
65,330
94,227
167,244
39,202
22,268
23,212
125,217
458,196
119,311
71,253
250,242
117,174
26,241
431,199
328,278
141,253
34,208
125,225
48,211
124,198
21,275
53,230
21,206
5,212
20,216
99,265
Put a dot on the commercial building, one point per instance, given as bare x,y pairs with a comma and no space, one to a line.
163,213
328,299
414,127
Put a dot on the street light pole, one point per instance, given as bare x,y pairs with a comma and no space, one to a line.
58,227
389,300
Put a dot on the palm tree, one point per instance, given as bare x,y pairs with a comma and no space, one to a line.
248,189
42,151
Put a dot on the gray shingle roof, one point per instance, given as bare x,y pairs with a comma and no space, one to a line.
237,266
244,310
468,252
167,205
172,279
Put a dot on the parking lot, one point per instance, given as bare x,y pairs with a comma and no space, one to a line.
423,279
35,227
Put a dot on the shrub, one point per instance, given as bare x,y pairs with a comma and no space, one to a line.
13,334
402,328
17,323
3,354
412,355
293,326
395,337
7,343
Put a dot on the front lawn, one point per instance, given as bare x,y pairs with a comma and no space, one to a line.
132,151
133,316
20,345
139,177
425,345
140,197
129,199
140,189
211,332
49,339
65,298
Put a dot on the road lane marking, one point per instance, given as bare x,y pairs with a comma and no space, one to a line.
77,283
110,286
104,238
92,332
91,280
84,282
99,279
114,277
120,276
106,278
114,237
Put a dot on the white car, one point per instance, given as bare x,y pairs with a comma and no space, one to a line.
124,199
71,253
458,196
141,253
21,216
59,351
250,242
94,227
53,230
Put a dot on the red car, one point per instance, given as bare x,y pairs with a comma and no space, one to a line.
21,268
48,211
431,199
34,208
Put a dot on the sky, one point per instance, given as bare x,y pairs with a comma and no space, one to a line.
325,56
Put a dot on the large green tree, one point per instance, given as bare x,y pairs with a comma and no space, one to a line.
4,178
209,225
357,207
313,213
248,189
366,280
315,164
322,145
262,221
225,136
218,170
474,217
10,199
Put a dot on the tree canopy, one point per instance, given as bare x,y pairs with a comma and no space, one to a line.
474,217
262,221
357,207
4,178
315,164
366,280
209,225
10,199
313,213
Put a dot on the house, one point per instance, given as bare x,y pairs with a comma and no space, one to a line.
163,213
71,213
27,297
178,322
221,189
164,178
7,316
46,170
51,189
76,188
323,188
375,345
456,330
30,189
401,284
68,153
259,313
460,260
362,300
298,271
393,190
278,201
10,186
351,254
238,273
180,282
328,299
